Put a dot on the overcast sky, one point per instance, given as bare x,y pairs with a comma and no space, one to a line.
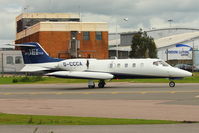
144,14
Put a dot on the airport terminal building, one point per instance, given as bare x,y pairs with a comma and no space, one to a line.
63,35
175,45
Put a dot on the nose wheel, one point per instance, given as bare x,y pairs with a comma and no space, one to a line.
172,84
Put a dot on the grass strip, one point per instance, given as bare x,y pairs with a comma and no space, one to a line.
14,119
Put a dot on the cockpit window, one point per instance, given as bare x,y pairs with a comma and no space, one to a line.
164,63
155,63
160,63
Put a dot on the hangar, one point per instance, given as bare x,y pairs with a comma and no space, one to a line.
175,45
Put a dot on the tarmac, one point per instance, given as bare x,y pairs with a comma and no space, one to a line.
116,100
173,128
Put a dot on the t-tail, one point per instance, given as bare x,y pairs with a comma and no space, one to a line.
33,53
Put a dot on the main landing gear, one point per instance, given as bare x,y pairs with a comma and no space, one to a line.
91,84
172,84
101,84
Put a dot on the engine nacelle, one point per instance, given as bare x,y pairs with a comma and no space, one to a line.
81,75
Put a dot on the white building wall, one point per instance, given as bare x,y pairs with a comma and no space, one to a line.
196,58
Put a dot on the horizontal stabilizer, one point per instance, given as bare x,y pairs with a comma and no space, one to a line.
22,45
81,75
30,68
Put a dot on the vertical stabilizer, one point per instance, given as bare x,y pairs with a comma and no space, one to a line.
33,53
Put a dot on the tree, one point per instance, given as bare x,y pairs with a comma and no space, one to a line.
143,46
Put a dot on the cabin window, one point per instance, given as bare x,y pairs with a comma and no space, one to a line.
142,64
134,65
9,60
126,65
118,65
18,60
111,65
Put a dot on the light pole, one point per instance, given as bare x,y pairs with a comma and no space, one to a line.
2,65
116,33
193,62
170,21
167,53
116,40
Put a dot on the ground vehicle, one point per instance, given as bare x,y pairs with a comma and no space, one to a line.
184,67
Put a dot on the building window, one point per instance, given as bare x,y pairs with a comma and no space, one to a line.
134,65
126,65
9,60
86,35
98,35
18,60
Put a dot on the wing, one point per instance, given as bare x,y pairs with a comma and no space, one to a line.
81,75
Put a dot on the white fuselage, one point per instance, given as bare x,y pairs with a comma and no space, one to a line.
124,68
36,59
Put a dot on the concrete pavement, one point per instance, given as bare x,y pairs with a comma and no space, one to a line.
173,128
118,100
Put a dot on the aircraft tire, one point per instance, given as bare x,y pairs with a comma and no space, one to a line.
172,84
91,86
101,84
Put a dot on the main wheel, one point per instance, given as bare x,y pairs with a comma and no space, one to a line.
101,84
91,86
172,84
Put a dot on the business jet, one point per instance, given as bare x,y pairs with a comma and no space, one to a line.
36,59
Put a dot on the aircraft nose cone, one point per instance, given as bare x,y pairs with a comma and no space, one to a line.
187,74
181,73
